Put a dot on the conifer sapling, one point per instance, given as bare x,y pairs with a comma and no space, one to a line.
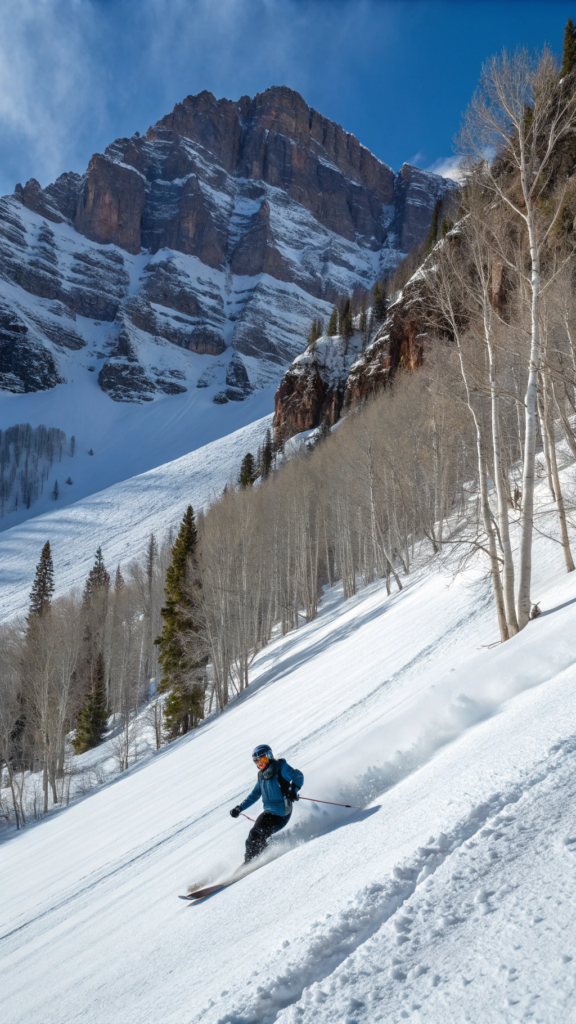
93,717
332,328
247,471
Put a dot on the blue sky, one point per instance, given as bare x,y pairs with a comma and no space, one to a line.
75,74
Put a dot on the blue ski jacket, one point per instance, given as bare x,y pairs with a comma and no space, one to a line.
270,789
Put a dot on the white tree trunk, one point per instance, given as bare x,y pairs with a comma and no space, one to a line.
529,461
501,490
548,424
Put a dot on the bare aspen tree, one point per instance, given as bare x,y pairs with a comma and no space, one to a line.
452,309
10,713
547,421
514,127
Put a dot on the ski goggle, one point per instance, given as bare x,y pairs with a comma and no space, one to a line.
261,761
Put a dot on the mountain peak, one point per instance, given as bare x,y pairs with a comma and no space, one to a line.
253,216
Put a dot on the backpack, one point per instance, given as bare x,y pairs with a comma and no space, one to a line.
282,782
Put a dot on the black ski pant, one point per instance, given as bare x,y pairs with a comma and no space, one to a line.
266,825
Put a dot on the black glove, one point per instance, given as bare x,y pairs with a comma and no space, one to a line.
236,812
293,793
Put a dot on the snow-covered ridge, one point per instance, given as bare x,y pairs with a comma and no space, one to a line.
327,222
183,270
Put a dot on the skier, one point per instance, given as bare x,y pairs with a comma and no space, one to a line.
278,785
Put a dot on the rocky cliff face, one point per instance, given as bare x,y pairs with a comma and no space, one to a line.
400,342
333,384
221,233
314,385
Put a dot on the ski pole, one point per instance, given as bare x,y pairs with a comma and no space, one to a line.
332,802
247,816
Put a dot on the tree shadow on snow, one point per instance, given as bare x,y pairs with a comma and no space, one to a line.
284,663
558,608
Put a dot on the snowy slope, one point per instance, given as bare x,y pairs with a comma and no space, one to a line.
122,517
130,437
127,439
448,897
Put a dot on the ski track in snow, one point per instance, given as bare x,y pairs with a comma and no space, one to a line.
448,897
412,921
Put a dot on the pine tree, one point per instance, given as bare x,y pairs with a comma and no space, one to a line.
278,444
118,580
93,717
332,328
55,491
378,305
346,326
177,612
445,226
40,601
151,556
267,456
69,480
94,615
247,471
43,586
98,578
315,331
569,49
184,707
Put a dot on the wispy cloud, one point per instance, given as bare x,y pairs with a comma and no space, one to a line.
417,158
47,75
75,74
448,167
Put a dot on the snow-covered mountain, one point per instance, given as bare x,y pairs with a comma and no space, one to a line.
152,304
448,895
228,225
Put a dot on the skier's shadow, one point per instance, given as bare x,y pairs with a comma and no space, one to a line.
315,827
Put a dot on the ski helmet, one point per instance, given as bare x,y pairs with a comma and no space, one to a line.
262,750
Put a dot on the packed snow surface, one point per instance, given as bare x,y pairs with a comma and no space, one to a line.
448,896
120,518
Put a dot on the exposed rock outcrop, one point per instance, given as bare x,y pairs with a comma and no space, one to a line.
313,386
239,386
308,392
124,379
400,342
110,204
196,183
415,195
25,365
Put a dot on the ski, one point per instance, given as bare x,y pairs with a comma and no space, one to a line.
201,893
